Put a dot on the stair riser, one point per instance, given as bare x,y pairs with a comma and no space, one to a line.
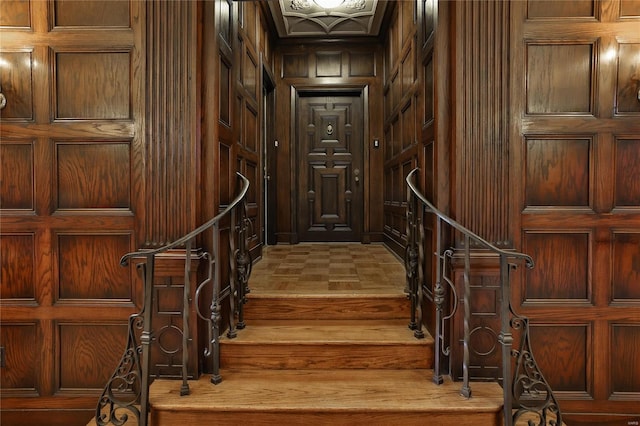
327,308
196,418
323,356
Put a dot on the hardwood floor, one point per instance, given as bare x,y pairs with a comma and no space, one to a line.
328,268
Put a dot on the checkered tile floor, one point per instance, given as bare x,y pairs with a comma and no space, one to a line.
321,268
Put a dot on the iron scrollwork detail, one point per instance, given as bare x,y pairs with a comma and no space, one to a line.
531,392
121,396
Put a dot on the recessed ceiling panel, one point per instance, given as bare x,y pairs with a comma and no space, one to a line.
307,18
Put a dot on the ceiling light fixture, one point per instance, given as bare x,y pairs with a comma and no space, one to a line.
328,4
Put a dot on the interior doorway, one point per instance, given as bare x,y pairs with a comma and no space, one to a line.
269,159
329,157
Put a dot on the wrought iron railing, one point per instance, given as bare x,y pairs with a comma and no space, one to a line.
526,392
127,391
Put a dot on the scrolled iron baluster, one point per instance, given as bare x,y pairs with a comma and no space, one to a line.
186,302
132,372
244,263
215,308
233,275
419,280
208,351
126,380
438,300
411,259
466,388
529,381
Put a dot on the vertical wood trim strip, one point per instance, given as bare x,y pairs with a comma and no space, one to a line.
483,186
171,137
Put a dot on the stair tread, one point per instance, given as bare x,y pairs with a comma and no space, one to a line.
325,390
386,294
380,332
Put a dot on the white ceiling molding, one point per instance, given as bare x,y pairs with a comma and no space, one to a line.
305,18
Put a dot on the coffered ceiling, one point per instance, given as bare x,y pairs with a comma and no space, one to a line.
307,18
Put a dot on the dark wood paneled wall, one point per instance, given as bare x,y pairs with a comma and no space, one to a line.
576,144
338,67
235,48
71,189
402,108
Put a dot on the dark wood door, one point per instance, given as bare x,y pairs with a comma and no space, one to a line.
330,181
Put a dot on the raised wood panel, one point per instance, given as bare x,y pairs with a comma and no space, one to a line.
484,325
15,13
560,78
407,11
250,20
17,180
16,84
560,9
328,64
396,89
628,81
429,171
224,167
408,67
88,267
251,129
250,75
630,8
93,175
83,77
396,138
428,20
362,64
295,65
224,86
225,19
626,266
557,172
627,172
408,117
95,13
625,368
18,267
88,354
564,350
252,171
166,357
562,267
21,342
427,87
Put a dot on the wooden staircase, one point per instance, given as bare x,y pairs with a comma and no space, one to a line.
331,359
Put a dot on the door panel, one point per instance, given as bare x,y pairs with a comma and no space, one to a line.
330,161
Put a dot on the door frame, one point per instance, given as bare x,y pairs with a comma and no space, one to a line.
269,158
361,91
